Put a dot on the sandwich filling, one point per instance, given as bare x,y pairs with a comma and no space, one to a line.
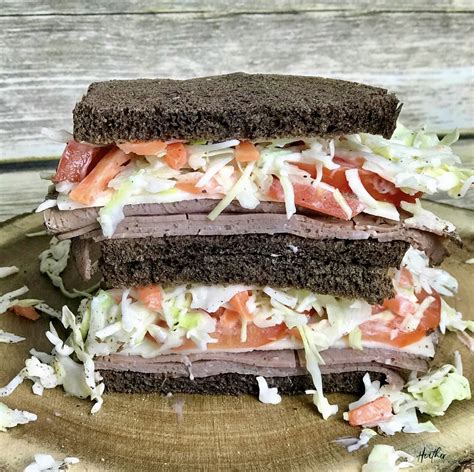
150,321
140,324
341,177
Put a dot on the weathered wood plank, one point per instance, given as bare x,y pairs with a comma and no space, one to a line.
72,7
424,57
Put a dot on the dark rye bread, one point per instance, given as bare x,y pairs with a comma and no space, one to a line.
241,106
353,269
230,383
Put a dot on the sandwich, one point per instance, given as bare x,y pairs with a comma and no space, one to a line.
254,225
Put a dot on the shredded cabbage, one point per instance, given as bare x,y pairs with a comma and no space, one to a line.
6,271
47,463
49,203
225,202
355,339
54,260
386,458
439,388
373,207
425,220
265,394
9,338
77,378
431,394
354,444
404,417
8,300
451,320
210,298
313,358
111,214
428,278
10,418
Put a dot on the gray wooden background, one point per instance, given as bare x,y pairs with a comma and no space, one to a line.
51,50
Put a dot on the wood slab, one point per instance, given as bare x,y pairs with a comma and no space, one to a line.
144,433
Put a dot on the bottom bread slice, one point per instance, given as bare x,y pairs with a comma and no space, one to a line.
234,373
235,384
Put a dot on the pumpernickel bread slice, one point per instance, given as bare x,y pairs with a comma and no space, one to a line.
353,269
234,373
238,105
232,383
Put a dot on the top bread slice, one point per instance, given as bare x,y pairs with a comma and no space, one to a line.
232,106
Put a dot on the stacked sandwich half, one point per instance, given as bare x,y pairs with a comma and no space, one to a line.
254,225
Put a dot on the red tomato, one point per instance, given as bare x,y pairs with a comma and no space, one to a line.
317,198
176,155
228,331
379,188
400,305
382,331
78,160
90,187
27,312
143,148
405,278
246,151
150,296
238,304
371,413
211,188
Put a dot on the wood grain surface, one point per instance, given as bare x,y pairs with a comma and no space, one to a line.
423,51
144,433
73,7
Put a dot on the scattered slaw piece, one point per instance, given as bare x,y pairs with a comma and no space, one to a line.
385,458
354,444
266,394
431,393
47,463
7,271
53,262
9,338
10,418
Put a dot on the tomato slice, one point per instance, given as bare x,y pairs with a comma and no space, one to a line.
378,187
90,187
189,185
143,148
77,160
150,296
400,305
380,331
27,312
246,151
405,279
176,155
371,413
317,198
238,304
228,331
